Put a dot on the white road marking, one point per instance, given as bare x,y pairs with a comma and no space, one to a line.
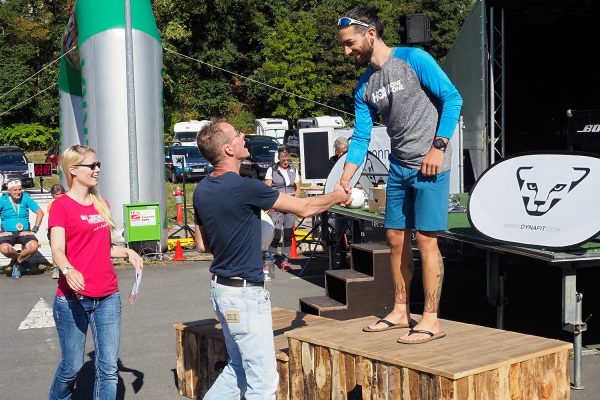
40,316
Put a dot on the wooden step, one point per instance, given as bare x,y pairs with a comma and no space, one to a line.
348,275
371,259
339,284
373,247
363,290
317,304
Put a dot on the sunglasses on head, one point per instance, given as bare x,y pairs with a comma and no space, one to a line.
91,166
347,21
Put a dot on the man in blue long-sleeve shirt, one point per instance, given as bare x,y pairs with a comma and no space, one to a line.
420,107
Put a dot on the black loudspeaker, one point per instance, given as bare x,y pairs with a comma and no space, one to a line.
414,29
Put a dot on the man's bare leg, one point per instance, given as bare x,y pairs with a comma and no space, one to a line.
433,278
9,252
28,250
401,264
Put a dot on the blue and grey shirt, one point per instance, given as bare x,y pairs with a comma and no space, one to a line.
417,102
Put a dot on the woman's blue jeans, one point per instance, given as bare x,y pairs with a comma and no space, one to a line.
72,318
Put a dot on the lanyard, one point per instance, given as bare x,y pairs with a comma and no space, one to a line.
17,209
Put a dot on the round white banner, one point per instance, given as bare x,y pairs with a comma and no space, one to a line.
545,200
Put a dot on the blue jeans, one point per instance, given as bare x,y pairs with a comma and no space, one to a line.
251,371
72,318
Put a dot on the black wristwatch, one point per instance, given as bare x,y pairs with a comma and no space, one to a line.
440,144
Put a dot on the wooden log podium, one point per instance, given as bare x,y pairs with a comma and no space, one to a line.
320,358
336,360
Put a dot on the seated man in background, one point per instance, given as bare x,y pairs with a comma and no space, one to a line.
14,215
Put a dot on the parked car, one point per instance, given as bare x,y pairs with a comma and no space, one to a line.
196,166
263,150
13,164
291,140
53,158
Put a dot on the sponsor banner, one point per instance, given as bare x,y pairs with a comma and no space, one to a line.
544,200
142,217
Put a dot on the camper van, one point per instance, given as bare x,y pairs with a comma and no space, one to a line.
273,127
185,132
292,136
324,121
304,123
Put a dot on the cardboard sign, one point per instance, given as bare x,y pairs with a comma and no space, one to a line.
545,200
178,160
377,199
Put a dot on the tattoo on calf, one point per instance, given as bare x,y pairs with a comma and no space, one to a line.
401,294
432,299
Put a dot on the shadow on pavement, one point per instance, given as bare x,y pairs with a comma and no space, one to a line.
84,385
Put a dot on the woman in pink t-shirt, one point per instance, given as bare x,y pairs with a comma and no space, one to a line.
88,292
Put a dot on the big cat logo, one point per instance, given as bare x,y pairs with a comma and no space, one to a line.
541,191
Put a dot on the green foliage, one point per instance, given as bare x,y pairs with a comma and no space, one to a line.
28,136
291,45
446,19
290,66
31,31
239,116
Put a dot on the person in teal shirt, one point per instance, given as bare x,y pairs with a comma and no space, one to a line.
14,217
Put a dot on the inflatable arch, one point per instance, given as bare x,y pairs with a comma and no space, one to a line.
93,99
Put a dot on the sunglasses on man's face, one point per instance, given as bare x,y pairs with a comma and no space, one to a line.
91,166
347,21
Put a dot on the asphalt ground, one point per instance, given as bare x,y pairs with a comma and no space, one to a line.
173,292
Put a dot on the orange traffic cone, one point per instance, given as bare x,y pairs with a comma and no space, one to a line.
179,213
178,252
293,251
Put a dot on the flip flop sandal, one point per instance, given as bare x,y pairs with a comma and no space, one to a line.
390,325
432,336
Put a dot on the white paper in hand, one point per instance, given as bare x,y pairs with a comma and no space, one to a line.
136,287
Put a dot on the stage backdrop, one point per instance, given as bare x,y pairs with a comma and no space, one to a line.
544,200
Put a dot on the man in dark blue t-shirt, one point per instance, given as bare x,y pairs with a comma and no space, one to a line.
227,214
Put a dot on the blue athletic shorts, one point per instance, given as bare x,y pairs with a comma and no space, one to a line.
414,201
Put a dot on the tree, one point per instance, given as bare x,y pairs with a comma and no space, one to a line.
289,44
221,46
447,17
30,35
289,65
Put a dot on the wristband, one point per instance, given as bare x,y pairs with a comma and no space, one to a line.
35,229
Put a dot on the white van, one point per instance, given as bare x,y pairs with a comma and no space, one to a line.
185,132
273,127
325,121
304,123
